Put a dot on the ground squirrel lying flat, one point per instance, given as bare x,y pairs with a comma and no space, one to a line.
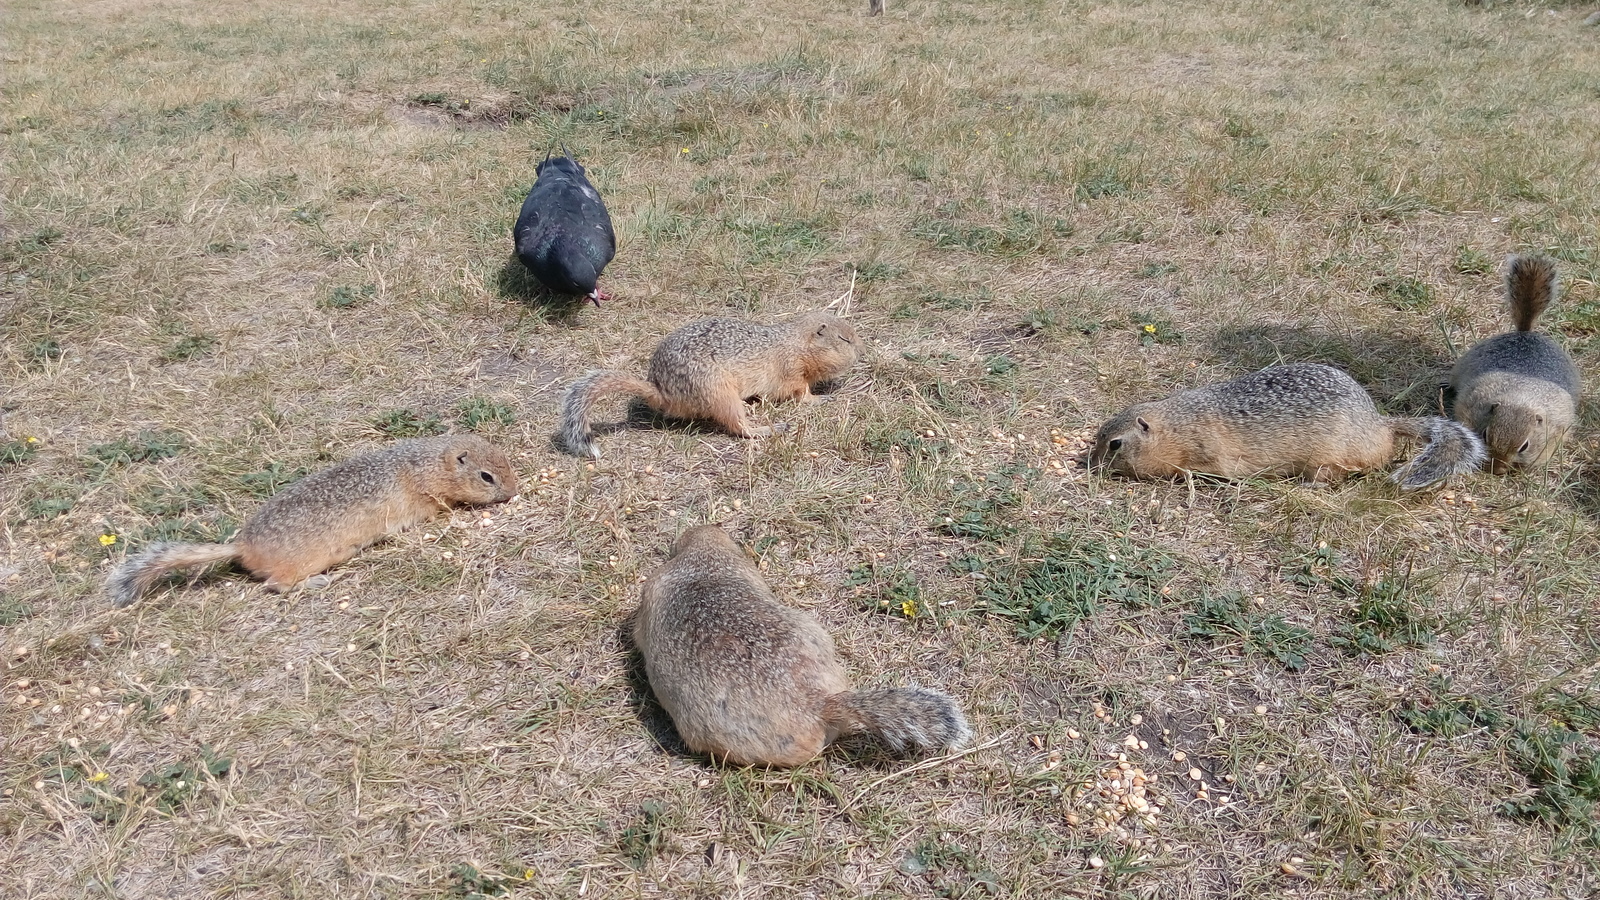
1299,419
707,369
1519,389
328,516
753,682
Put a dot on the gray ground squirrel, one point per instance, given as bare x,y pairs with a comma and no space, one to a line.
753,682
1519,389
328,516
1301,419
707,369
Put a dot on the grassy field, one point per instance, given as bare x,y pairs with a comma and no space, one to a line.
241,241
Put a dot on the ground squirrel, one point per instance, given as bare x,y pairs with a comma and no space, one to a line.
1303,419
707,369
753,682
328,516
1519,389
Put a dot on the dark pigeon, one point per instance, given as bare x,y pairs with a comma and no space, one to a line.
563,233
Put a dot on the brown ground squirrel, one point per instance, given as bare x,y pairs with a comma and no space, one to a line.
1519,389
707,369
1300,419
328,516
753,682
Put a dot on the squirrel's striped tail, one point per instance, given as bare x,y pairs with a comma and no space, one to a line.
577,410
129,581
1530,286
1451,449
902,719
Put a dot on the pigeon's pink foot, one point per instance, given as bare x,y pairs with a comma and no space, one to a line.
597,295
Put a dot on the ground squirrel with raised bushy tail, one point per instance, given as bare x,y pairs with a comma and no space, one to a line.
1302,419
753,682
707,369
1519,389
329,516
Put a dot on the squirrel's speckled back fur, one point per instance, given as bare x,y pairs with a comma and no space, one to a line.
751,681
709,368
1520,389
328,516
1301,419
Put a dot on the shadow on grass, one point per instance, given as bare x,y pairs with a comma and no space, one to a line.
515,283
1580,483
1402,372
641,416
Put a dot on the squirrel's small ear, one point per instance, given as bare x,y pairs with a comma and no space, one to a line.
1143,425
1493,407
822,330
461,458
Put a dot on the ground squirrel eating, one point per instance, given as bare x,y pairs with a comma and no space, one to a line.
328,516
707,369
753,682
1301,419
1519,389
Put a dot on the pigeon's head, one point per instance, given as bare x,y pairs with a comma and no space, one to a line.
563,165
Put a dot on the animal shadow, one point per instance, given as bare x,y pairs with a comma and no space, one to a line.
1581,482
1403,373
515,283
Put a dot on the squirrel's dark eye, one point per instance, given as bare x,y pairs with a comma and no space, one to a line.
486,477
1114,444
1524,447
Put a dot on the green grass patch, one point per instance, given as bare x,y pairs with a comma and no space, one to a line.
1054,583
266,482
345,296
980,508
474,413
189,347
646,836
15,453
890,589
146,446
1403,292
1226,618
1562,764
405,423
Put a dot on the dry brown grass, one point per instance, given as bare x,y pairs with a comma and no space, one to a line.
267,230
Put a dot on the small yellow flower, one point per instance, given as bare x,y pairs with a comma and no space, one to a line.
908,608
527,874
99,777
32,439
1150,329
107,540
685,150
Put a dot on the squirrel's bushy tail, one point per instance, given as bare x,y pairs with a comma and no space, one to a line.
129,581
903,719
577,435
1530,286
1451,449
